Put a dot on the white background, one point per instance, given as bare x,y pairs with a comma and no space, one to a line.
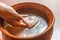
54,5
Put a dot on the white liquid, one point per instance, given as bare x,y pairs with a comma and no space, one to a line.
26,32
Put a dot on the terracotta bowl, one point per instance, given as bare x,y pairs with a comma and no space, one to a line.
37,9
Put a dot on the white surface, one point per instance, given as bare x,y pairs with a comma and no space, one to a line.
54,5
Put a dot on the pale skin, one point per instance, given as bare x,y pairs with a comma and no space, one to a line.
11,16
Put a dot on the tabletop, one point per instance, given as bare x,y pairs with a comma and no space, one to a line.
54,7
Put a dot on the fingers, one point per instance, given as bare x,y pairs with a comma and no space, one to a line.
15,16
18,24
13,21
26,23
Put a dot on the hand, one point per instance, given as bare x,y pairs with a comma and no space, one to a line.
11,16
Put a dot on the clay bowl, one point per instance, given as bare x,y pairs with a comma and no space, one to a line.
37,9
